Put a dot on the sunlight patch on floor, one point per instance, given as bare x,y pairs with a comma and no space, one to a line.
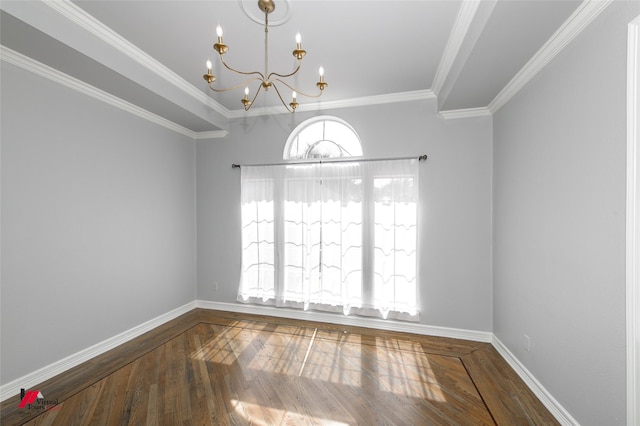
334,361
259,415
405,370
397,366
279,353
227,347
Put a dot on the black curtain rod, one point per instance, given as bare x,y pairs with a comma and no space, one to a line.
420,158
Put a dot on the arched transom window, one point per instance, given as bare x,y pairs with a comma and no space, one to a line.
322,137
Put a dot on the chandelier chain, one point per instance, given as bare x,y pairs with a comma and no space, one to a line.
266,44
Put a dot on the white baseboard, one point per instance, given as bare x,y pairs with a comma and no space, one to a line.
32,379
558,411
389,325
45,373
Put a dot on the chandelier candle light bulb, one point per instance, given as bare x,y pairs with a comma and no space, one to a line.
220,47
245,101
299,52
294,103
264,79
321,84
209,75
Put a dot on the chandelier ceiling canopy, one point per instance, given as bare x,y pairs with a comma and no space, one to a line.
265,79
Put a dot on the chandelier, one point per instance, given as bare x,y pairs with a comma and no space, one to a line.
266,79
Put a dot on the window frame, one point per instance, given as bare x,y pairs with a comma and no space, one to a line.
286,153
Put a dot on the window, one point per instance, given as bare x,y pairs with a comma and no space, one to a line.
322,137
333,236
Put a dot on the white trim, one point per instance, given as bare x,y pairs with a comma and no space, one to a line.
12,57
417,95
90,24
215,134
379,324
454,114
633,224
272,22
558,411
461,26
45,373
32,379
583,15
83,19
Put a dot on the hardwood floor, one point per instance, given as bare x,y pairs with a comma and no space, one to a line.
217,368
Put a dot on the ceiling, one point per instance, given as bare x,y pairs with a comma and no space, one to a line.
151,54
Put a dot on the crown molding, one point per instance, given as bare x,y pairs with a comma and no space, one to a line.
28,64
461,26
216,134
90,24
86,21
416,95
38,68
454,114
581,17
586,12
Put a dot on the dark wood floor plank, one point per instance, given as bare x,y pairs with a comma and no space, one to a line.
84,375
508,398
225,368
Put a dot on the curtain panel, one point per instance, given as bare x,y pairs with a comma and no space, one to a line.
338,237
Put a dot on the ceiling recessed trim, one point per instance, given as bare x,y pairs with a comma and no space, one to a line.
455,114
578,21
416,95
215,134
86,21
462,24
92,25
582,17
28,64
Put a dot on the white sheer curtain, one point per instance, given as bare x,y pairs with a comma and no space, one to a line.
338,237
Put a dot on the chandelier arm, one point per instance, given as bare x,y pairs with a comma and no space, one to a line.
286,75
241,72
248,105
296,90
237,86
280,96
267,6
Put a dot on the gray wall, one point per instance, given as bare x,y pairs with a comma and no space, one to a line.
98,222
559,222
455,191
98,217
